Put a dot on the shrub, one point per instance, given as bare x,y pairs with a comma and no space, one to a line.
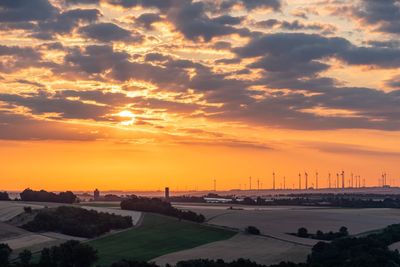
302,232
252,230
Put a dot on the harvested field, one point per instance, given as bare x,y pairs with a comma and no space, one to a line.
135,215
262,250
27,240
278,221
10,209
8,231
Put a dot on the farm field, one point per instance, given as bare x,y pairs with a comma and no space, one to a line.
262,250
157,235
10,209
278,221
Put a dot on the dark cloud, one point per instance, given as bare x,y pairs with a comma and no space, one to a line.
288,56
26,10
20,127
82,2
394,82
346,149
383,14
66,21
156,57
252,4
191,18
42,103
108,32
94,58
296,25
146,20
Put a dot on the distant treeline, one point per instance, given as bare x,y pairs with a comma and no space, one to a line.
77,222
324,200
370,251
44,196
4,196
328,236
157,205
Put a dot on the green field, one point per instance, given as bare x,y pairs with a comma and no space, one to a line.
158,235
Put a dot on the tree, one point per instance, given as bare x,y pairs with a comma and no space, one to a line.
46,258
25,257
343,231
319,234
5,252
302,232
74,254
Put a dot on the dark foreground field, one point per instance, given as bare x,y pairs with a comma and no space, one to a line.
157,235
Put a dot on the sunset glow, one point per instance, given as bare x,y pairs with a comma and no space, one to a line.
139,95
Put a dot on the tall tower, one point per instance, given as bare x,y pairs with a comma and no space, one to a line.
352,180
167,193
96,194
284,182
273,180
337,180
215,184
258,184
342,179
316,180
250,183
306,175
329,180
299,181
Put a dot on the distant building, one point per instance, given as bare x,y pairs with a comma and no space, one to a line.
96,194
167,193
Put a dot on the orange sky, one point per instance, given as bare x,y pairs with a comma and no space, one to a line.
125,95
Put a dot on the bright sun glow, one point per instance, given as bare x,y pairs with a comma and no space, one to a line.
129,116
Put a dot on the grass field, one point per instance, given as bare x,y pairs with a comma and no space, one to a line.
158,235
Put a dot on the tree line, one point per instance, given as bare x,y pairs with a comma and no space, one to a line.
328,236
157,205
4,196
44,196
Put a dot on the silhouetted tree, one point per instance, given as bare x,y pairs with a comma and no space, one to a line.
25,258
44,196
302,232
5,252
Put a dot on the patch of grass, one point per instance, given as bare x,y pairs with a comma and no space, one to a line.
158,235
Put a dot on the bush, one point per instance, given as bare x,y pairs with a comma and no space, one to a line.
302,232
252,230
77,222
28,209
25,257
156,205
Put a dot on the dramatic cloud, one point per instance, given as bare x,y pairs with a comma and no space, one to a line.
164,64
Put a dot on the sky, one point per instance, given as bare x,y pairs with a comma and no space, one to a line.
143,94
